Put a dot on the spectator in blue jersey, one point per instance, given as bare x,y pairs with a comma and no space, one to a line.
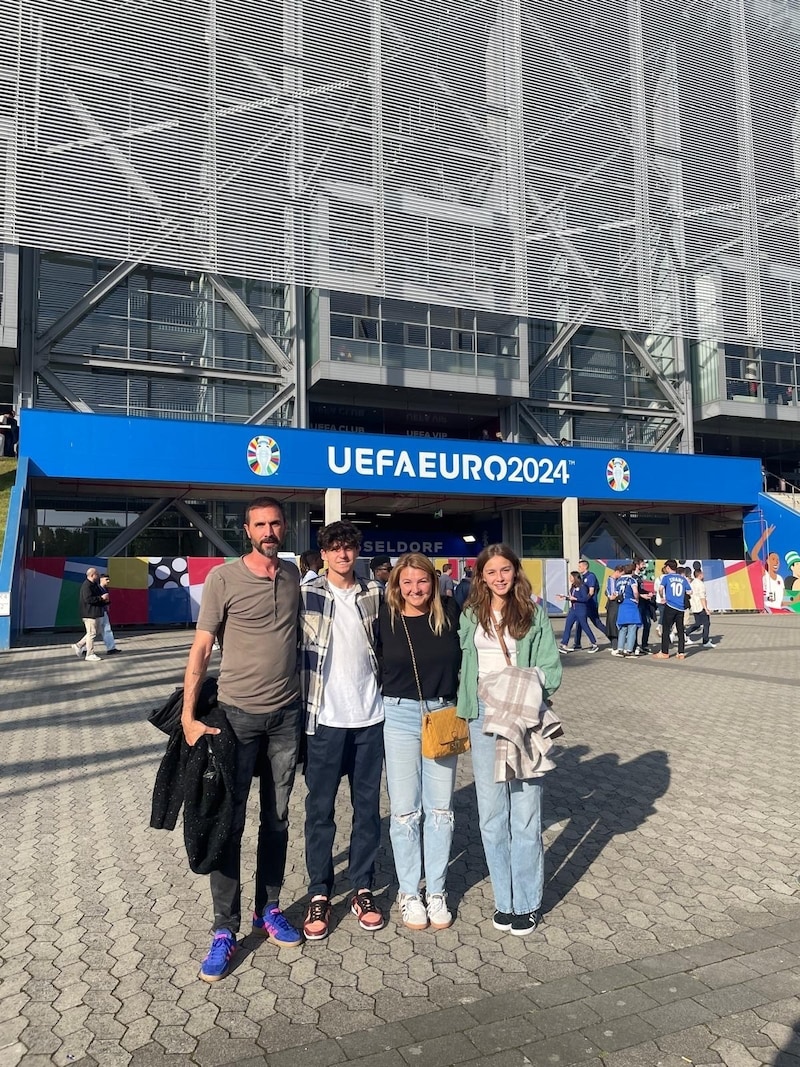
612,605
578,597
628,618
589,579
675,587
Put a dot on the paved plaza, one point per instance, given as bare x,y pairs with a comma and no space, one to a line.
672,926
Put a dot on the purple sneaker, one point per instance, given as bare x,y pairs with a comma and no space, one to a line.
274,925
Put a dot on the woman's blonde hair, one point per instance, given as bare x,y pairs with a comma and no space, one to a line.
437,620
518,608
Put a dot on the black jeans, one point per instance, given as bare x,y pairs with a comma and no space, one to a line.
702,621
276,737
333,753
612,610
673,617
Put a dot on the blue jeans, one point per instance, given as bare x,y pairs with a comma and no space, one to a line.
510,817
332,753
418,788
276,738
626,641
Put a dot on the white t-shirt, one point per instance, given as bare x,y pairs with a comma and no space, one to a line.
698,594
773,590
490,651
350,694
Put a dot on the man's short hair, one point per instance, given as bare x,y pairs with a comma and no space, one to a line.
585,562
698,571
671,563
342,533
377,562
468,572
446,568
263,502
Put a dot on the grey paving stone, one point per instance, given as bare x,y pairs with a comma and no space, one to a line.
724,973
389,1058
619,1033
377,1039
439,1051
673,987
494,1009
563,1050
504,1034
561,991
679,1015
317,1054
614,977
450,1020
625,1001
660,965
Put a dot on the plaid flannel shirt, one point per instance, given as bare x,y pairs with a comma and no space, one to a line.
316,624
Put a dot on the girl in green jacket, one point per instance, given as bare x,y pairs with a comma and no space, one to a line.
501,626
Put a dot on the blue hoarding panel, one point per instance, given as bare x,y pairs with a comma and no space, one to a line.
115,448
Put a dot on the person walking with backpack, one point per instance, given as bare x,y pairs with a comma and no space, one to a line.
628,615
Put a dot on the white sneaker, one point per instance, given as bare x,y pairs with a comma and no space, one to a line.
412,911
689,641
439,915
709,644
93,658
77,650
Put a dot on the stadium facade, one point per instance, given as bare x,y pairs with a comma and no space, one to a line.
537,222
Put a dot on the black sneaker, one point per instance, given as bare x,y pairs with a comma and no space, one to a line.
525,924
111,651
502,920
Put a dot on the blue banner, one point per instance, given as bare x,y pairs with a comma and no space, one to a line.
115,448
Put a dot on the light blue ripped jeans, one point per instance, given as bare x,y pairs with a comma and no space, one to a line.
421,798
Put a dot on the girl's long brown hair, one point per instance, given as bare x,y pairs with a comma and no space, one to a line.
394,598
518,608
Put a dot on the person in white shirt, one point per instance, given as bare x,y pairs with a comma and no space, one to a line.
700,610
344,725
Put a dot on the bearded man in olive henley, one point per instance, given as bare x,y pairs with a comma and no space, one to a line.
251,607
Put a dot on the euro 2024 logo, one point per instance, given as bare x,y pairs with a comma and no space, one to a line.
263,456
618,474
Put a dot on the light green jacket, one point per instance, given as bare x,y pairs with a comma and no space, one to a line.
536,649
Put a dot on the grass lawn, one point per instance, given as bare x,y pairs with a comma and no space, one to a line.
8,472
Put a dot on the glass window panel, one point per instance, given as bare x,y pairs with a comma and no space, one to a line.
341,326
393,332
440,338
349,303
465,342
499,368
453,362
404,311
417,335
487,344
443,316
367,329
407,358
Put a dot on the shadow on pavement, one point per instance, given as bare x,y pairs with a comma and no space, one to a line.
597,799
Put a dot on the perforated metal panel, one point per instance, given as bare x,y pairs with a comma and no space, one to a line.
621,162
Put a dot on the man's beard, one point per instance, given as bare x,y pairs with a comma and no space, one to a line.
269,549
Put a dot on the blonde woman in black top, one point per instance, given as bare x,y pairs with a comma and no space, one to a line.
421,658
